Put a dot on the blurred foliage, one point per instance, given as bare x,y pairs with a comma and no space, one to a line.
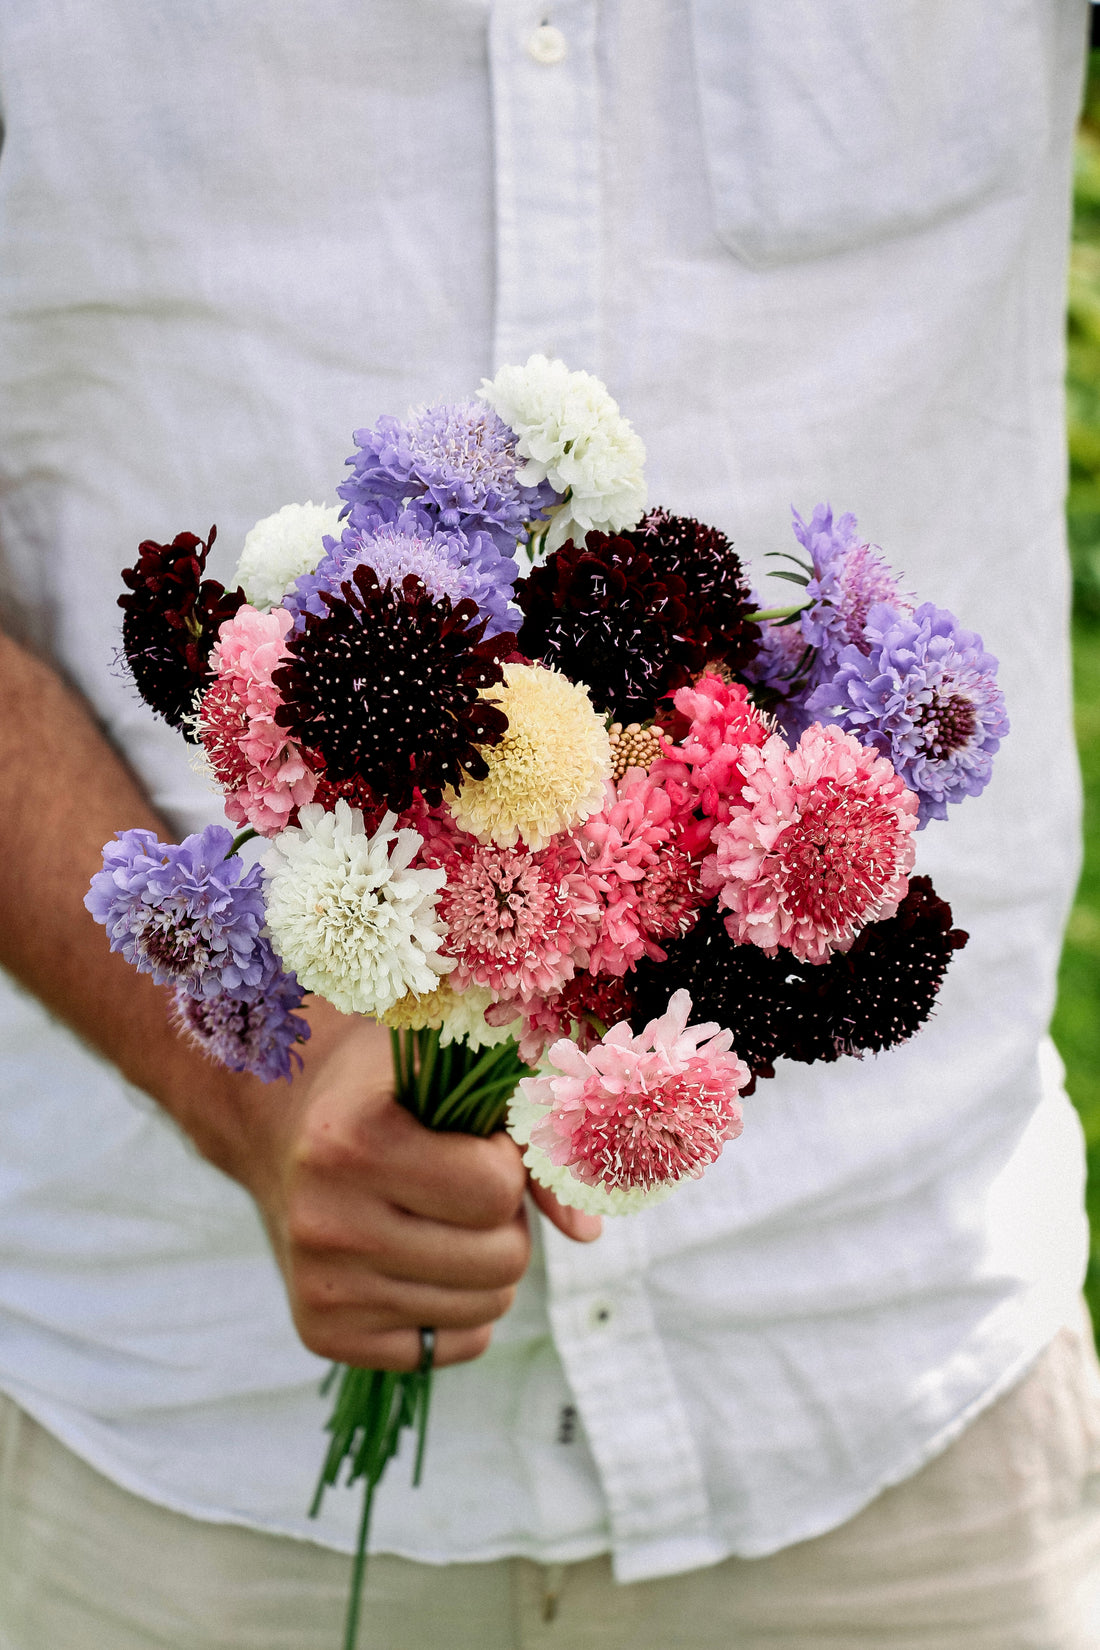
1083,368
1077,1017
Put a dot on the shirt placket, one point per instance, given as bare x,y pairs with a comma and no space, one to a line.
546,138
634,1417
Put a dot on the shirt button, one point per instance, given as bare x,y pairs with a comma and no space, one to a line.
599,1314
547,44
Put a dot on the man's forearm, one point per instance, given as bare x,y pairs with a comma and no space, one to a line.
64,792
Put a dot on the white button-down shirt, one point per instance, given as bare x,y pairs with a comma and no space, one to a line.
815,252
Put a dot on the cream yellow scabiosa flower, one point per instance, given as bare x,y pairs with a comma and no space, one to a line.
547,773
457,1015
282,547
349,914
569,429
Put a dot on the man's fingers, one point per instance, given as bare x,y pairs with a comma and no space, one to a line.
574,1223
347,1333
399,1349
376,1145
358,1237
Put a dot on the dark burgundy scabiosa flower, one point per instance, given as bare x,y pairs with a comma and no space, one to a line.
719,598
388,688
604,614
172,618
864,1000
737,985
881,991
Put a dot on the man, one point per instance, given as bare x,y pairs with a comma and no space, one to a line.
813,252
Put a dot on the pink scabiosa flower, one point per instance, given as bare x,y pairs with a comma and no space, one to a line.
257,763
821,845
516,922
620,1125
649,887
702,774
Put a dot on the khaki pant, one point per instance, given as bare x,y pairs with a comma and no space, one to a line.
995,1545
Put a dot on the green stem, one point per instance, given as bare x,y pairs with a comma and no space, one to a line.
240,839
776,613
358,1569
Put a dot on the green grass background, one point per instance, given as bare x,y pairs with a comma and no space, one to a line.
1077,1017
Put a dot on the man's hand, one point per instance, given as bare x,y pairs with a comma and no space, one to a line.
381,1226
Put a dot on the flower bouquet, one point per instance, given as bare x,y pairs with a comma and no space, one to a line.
547,791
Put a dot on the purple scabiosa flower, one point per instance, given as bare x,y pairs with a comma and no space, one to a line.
394,542
184,912
923,691
847,578
255,1033
460,460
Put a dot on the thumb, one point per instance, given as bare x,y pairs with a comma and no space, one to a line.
575,1224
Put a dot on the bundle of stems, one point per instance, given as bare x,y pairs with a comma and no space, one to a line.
451,1087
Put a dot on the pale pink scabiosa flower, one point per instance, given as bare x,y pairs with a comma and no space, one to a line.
821,845
516,922
620,1125
702,773
259,766
649,886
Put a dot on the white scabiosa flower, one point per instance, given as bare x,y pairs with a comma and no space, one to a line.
348,913
282,547
570,431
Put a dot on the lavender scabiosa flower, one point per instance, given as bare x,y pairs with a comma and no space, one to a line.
923,691
459,460
847,578
255,1033
184,912
395,541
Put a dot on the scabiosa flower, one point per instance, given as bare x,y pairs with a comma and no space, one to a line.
185,913
711,570
702,773
281,547
390,687
848,577
779,674
257,1033
458,1016
398,542
260,768
618,1126
821,845
877,994
546,771
871,997
923,691
572,434
460,459
583,1009
348,912
516,922
172,618
740,986
648,885
602,613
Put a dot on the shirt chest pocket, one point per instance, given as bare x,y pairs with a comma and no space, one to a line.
829,124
